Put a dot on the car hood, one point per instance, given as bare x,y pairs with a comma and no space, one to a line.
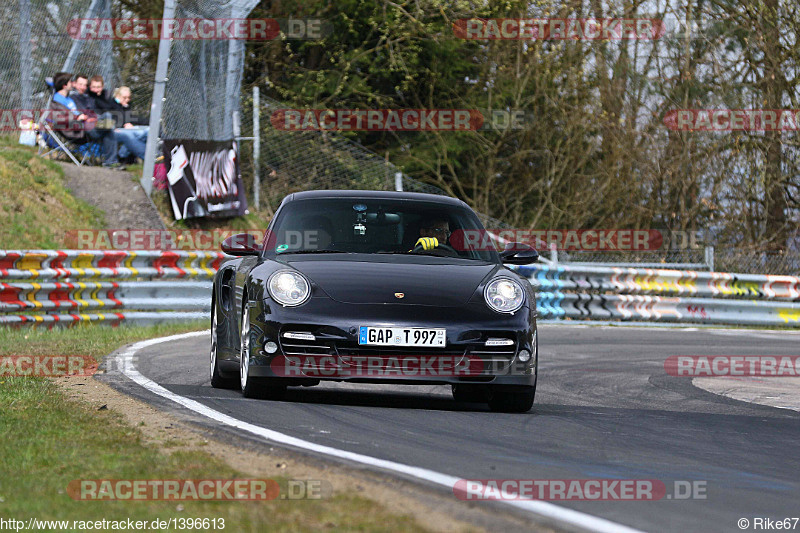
421,280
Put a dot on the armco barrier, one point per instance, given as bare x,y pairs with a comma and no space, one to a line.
90,264
112,318
566,277
67,286
106,295
644,294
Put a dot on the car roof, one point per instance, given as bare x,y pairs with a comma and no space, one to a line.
383,195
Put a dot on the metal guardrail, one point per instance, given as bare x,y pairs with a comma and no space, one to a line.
93,296
103,264
643,294
670,282
68,286
680,259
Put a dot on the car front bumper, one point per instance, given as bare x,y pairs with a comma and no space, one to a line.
335,354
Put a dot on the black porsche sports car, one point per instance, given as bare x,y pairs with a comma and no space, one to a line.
368,286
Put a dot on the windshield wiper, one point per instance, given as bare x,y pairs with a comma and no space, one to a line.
313,252
429,254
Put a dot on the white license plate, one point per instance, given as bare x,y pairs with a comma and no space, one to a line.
434,337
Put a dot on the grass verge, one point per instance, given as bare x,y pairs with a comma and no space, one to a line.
36,207
49,440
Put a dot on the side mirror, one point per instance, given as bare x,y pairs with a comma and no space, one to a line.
241,244
517,253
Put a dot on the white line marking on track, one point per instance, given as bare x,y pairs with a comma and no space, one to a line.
770,335
124,361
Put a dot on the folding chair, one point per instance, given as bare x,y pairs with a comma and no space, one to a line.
57,144
88,151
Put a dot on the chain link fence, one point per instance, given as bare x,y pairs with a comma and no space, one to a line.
204,77
690,258
755,262
292,161
720,260
35,44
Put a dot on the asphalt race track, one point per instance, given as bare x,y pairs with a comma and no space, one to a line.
605,408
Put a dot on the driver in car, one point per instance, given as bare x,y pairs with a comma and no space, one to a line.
433,233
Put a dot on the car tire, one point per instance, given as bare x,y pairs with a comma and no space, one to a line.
218,381
254,387
516,400
469,393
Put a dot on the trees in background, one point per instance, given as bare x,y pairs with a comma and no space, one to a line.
596,152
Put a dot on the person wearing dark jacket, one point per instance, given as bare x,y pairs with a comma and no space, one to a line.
102,102
80,94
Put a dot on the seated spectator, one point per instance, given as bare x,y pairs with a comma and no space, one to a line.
98,94
131,130
80,93
85,130
100,104
127,129
62,84
122,99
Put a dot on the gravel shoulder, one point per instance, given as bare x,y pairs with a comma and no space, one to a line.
124,202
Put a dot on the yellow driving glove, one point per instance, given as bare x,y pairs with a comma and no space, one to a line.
427,243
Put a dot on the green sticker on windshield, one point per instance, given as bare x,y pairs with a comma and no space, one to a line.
282,248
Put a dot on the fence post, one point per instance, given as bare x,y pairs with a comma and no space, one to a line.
710,258
256,147
398,181
107,49
159,86
203,132
234,69
236,128
25,61
77,44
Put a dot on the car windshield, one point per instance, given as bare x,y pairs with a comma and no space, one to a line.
378,226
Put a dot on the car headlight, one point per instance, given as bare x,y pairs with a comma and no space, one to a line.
504,295
288,288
